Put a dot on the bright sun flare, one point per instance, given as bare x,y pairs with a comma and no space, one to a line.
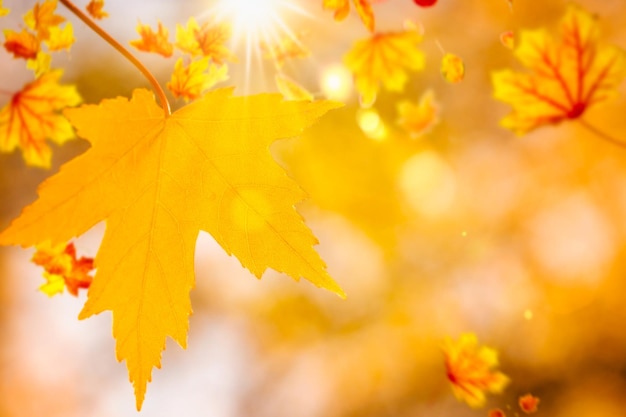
255,19
256,22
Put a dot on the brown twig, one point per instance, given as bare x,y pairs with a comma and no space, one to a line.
122,50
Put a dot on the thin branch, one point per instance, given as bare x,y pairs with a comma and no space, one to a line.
122,50
602,135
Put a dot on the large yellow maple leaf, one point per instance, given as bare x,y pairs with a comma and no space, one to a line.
158,181
567,75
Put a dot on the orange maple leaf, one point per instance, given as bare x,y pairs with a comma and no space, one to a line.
153,42
158,181
496,413
342,10
191,81
62,268
22,45
42,17
567,75
207,40
384,58
470,370
95,8
418,119
32,116
528,403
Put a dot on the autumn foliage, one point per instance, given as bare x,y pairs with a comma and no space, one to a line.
159,177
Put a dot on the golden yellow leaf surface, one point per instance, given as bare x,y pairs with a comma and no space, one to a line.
384,58
566,75
33,115
471,370
157,182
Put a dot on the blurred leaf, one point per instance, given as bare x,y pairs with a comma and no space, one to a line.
567,75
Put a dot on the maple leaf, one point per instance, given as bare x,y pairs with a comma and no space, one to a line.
41,64
470,370
287,47
528,403
95,8
32,116
191,81
207,40
384,57
290,89
62,268
567,75
507,39
158,181
418,119
42,17
61,38
3,10
342,10
452,68
153,42
496,413
22,45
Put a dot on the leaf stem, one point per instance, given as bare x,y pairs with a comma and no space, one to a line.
122,50
601,134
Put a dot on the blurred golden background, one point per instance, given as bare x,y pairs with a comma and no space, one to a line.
465,229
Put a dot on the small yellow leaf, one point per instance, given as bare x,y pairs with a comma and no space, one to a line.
341,9
207,40
3,10
41,64
61,38
384,58
191,81
32,116
452,68
42,17
287,47
470,369
95,8
290,89
418,119
151,41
